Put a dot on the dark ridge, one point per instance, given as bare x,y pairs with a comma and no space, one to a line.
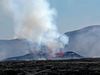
88,66
72,55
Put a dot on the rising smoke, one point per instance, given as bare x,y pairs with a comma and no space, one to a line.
34,20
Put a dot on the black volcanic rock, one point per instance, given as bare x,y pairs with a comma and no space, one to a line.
85,41
55,67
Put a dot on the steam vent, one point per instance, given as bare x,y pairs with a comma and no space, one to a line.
32,44
27,63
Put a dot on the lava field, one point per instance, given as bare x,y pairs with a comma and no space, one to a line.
50,67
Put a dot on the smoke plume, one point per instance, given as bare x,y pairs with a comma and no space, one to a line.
34,20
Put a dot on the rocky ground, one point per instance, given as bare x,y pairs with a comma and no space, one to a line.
63,67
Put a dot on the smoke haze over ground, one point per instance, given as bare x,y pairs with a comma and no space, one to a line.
34,20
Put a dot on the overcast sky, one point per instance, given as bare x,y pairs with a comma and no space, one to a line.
72,15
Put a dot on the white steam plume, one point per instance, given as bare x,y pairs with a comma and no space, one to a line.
34,20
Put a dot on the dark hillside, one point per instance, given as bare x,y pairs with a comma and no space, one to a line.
70,67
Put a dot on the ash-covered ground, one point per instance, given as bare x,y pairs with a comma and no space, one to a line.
50,67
